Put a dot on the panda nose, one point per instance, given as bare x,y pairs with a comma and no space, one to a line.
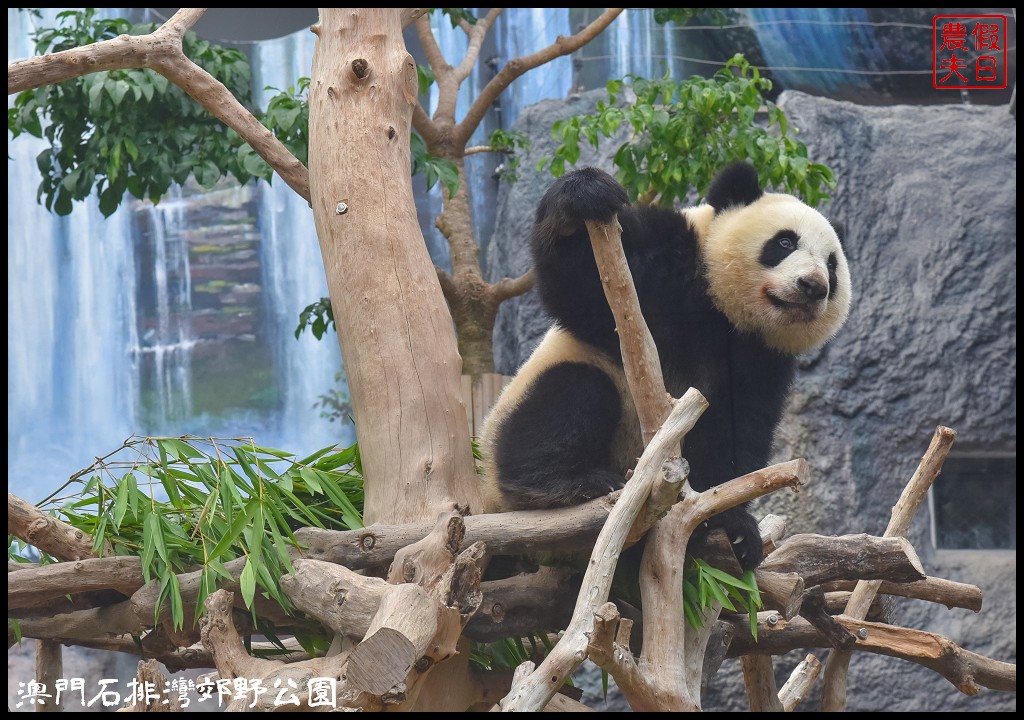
812,287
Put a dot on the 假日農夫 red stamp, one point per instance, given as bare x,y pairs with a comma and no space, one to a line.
969,52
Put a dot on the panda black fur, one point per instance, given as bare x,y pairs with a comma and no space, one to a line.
731,289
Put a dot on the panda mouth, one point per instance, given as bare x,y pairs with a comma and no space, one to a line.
802,310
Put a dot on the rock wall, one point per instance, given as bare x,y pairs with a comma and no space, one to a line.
928,198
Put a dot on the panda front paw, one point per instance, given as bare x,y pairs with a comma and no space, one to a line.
741,527
589,194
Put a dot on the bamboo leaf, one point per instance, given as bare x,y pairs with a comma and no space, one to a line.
150,527
158,538
350,516
240,522
720,595
177,607
316,456
311,480
283,454
121,503
248,582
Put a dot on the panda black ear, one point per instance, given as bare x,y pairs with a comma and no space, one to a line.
734,186
840,229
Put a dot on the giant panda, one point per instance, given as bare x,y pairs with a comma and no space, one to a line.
732,290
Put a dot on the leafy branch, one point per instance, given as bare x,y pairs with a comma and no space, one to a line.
681,133
128,130
318,317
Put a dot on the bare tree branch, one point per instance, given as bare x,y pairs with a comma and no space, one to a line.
780,591
833,698
431,49
49,669
149,675
772,529
448,286
422,123
512,287
759,679
517,606
643,365
932,589
800,683
967,671
411,15
35,587
609,649
518,66
50,535
221,639
476,34
820,558
124,51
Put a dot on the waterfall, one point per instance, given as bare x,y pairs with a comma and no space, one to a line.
71,376
164,350
100,344
293,272
525,31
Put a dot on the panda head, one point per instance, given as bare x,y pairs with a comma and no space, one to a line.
774,265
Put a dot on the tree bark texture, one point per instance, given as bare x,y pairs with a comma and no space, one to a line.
396,334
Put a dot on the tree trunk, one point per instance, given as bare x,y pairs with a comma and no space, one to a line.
398,342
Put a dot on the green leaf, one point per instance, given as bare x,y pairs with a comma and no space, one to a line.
349,514
150,528
116,89
133,493
157,536
720,595
253,163
177,607
283,454
255,530
110,200
99,534
244,462
311,480
724,577
238,524
248,582
426,78
309,460
121,503
183,450
449,175
207,586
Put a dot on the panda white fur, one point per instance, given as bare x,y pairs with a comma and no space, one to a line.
732,291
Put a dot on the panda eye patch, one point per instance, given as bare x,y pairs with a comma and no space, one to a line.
778,248
833,279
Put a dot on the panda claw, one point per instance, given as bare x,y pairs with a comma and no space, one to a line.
738,540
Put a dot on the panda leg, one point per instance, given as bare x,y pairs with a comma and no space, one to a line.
554,448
